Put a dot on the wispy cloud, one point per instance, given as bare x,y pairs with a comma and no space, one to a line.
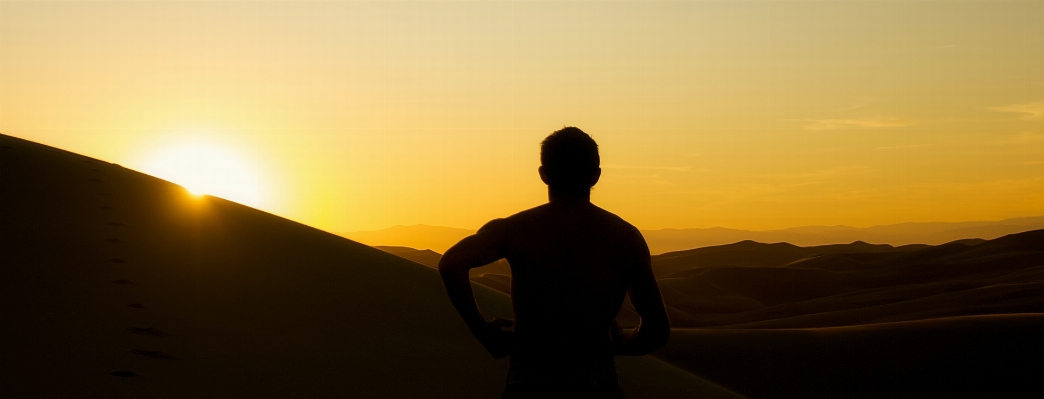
818,175
1034,110
1020,138
857,123
1028,137
902,147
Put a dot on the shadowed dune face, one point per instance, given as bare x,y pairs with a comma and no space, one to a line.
974,356
214,299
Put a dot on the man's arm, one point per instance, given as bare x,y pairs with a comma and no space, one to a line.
654,328
482,248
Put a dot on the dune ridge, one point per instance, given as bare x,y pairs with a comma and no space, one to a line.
118,284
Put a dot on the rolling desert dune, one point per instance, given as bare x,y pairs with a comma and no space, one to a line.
118,284
990,356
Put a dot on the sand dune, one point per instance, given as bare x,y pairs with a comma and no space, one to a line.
973,356
755,254
117,284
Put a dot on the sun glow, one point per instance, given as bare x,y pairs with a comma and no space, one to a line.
205,168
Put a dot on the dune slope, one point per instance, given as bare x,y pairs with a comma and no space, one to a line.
970,356
117,284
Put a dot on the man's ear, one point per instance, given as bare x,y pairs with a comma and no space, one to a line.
595,176
543,176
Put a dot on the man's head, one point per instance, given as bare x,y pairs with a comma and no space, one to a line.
569,161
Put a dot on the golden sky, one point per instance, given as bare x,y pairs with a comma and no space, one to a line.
362,115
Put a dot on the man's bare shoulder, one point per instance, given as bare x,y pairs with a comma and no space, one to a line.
620,224
506,224
522,217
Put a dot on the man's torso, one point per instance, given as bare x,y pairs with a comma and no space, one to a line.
570,267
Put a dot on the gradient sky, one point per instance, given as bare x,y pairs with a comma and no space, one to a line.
363,115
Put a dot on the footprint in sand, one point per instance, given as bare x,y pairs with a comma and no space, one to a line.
123,282
153,354
150,331
117,260
136,306
113,240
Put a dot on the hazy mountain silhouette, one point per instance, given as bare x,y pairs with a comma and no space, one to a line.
661,241
118,284
421,236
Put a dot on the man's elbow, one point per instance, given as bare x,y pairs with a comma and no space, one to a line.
445,267
449,266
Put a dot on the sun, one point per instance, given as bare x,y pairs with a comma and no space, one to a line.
207,168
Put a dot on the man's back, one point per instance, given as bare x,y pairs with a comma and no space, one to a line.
571,264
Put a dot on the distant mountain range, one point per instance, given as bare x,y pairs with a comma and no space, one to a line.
439,239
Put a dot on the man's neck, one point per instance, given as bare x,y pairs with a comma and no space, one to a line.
557,197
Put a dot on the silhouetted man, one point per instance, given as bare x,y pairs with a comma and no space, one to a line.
571,264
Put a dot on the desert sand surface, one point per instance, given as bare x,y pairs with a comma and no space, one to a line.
117,284
992,356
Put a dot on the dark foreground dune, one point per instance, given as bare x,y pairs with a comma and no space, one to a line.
993,356
116,284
